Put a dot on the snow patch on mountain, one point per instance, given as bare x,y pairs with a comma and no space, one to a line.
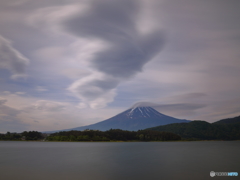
143,112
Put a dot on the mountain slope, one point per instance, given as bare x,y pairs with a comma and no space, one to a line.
228,120
133,119
202,130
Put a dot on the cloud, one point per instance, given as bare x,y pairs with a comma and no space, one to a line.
221,109
113,22
2,101
180,106
190,96
127,51
11,59
49,18
7,112
9,118
107,40
20,93
174,109
17,2
45,105
19,113
75,73
40,89
95,90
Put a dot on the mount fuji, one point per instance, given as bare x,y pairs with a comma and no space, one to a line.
133,119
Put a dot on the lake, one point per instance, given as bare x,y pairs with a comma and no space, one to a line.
117,160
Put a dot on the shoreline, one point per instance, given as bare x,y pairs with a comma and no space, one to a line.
117,141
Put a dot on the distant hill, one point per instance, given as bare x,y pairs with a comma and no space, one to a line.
229,120
201,130
133,119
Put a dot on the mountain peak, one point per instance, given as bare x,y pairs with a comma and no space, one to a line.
143,104
143,112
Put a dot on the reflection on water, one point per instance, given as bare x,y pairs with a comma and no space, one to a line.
117,161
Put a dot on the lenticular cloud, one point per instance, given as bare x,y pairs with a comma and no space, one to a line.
11,59
127,51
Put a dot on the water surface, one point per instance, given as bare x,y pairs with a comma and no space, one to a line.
117,160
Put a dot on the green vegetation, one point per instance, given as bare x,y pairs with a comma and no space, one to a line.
113,135
229,120
201,130
31,135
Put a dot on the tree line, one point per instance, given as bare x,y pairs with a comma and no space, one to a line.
113,135
26,135
201,130
93,135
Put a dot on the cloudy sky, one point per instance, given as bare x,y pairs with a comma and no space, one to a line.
70,63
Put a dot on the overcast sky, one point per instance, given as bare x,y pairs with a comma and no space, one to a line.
70,63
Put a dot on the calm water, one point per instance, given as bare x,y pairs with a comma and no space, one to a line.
117,161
